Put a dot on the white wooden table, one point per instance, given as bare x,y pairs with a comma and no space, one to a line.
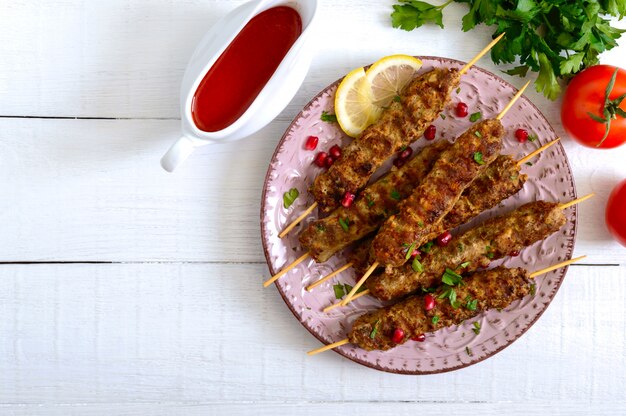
127,290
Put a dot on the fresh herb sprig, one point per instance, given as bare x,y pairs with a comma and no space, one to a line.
555,38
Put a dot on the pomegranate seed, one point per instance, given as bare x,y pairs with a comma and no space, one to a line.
320,159
430,132
398,336
429,302
406,153
348,199
399,162
514,253
419,338
444,239
335,152
311,143
521,135
329,161
461,110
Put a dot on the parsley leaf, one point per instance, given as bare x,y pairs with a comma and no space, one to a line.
475,116
374,329
414,14
417,266
478,158
289,197
426,247
345,224
435,319
329,118
395,195
339,291
476,328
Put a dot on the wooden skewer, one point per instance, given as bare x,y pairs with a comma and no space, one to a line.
536,152
329,346
533,275
285,270
338,304
348,265
576,201
297,220
356,287
330,276
556,266
480,55
513,100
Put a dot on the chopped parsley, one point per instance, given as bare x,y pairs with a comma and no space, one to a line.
451,278
345,223
417,266
488,252
320,227
460,247
426,247
478,158
370,201
464,265
375,329
532,137
395,195
477,134
435,319
397,98
421,224
329,118
469,352
533,289
471,304
476,328
289,197
458,90
475,116
443,116
529,163
409,250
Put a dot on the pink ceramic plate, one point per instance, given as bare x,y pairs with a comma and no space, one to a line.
550,179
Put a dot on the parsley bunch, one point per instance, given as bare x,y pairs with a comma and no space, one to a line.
556,38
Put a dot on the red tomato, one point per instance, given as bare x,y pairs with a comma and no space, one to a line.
616,213
586,94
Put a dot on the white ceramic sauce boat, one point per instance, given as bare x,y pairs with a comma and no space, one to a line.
272,99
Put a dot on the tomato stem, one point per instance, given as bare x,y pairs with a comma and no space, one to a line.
610,108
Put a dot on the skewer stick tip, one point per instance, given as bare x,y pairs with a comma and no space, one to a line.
480,54
338,304
358,285
328,277
329,346
513,100
576,201
285,270
297,220
556,266
536,152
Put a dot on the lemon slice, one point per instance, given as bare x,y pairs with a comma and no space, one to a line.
354,106
389,75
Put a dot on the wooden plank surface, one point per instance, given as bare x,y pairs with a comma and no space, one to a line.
92,190
176,333
182,325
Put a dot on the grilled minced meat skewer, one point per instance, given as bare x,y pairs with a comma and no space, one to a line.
327,236
437,194
492,289
499,181
492,240
402,123
474,293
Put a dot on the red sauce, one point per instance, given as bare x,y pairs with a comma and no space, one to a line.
243,69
